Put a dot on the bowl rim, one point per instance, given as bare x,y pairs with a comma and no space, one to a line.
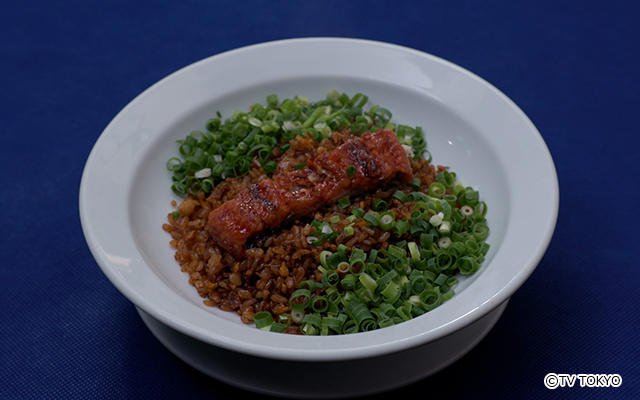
313,348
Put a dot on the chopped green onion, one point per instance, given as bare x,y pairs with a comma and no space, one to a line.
308,284
323,257
413,250
277,328
472,246
445,227
179,188
441,279
445,178
308,123
334,259
368,282
480,231
348,230
269,167
356,254
297,315
436,220
482,208
319,304
450,199
350,326
326,229
431,298
380,205
311,324
351,171
373,254
444,242
451,281
390,291
471,197
344,202
330,279
358,312
343,267
419,284
284,319
300,299
387,220
437,190
468,265
372,219
448,295
263,320
467,210
358,212
443,260
272,100
349,281
484,248
400,227
415,185
356,266
401,196
331,323
404,313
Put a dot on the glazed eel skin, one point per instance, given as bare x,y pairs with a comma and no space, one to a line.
378,158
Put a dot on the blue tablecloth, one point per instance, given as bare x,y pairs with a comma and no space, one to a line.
67,68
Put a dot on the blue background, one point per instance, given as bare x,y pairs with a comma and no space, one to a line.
67,68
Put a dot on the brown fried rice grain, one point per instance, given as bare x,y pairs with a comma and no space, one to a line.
279,260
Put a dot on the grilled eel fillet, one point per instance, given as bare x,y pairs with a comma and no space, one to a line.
378,158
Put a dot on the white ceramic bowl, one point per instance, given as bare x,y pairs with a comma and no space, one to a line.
470,126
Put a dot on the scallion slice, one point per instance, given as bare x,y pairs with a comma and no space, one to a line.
300,299
263,320
371,218
400,196
357,212
344,202
437,190
348,230
387,220
380,205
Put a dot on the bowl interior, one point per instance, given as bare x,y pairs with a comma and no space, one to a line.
452,141
470,127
